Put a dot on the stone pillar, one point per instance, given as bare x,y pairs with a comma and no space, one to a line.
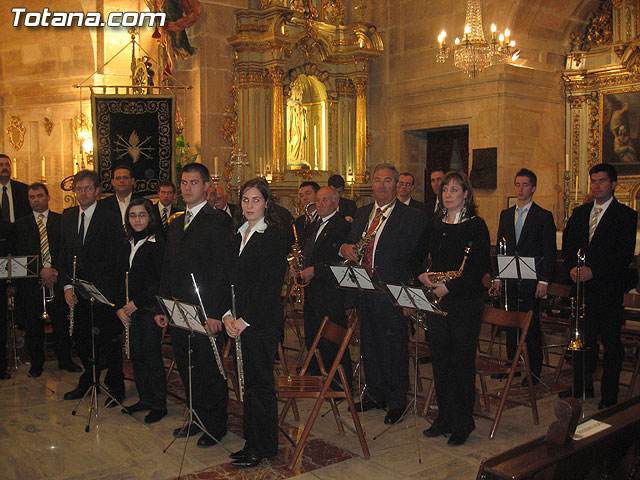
361,84
278,156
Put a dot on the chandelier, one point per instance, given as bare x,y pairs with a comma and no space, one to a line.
473,53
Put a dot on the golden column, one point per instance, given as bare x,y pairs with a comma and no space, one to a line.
361,84
278,156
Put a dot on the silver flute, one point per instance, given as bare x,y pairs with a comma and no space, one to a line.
239,361
127,341
214,347
73,291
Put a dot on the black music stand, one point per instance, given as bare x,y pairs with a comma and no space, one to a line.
11,267
90,292
186,316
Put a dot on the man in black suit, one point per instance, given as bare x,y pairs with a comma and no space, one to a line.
39,234
199,242
406,185
307,194
605,231
529,231
164,208
436,177
222,202
6,237
123,183
383,327
346,207
321,297
93,234
13,196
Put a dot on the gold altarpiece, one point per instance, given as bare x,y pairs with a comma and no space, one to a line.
299,94
602,85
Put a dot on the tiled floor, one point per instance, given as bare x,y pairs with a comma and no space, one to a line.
39,438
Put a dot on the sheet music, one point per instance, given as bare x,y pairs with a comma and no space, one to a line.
528,268
193,317
345,277
91,288
19,267
405,295
507,266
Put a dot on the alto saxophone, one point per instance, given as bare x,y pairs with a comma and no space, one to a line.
127,342
239,361
73,291
441,277
296,262
361,246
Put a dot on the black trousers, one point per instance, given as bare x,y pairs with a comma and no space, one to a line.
4,324
383,342
107,328
603,319
453,340
534,335
260,415
146,355
317,304
209,389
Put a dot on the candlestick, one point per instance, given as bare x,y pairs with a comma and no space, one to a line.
216,166
44,168
577,181
566,162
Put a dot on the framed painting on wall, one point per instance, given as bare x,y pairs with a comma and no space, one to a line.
620,114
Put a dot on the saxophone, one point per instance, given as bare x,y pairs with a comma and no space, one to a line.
73,290
361,246
239,361
296,262
127,342
441,277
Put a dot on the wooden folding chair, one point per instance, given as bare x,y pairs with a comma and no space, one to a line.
488,364
630,336
322,387
555,319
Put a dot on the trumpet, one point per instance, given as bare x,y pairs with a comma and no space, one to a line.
127,341
577,308
47,297
239,360
73,291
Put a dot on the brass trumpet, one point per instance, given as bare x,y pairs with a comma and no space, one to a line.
577,308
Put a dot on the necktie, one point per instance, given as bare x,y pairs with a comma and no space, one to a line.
6,212
164,217
593,223
188,218
310,241
44,242
519,222
81,230
368,253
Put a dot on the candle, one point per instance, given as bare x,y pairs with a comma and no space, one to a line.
261,165
44,168
216,166
566,162
75,164
14,168
493,31
577,181
315,145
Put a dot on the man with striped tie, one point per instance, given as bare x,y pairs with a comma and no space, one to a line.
166,194
39,234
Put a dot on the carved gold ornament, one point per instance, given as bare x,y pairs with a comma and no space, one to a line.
48,126
15,131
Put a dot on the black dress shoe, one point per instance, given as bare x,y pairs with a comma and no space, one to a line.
35,371
435,431
250,460
136,407
76,393
70,367
457,439
394,416
239,454
605,404
155,415
368,404
206,441
182,431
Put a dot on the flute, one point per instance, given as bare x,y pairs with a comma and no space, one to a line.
73,291
239,361
127,343
214,347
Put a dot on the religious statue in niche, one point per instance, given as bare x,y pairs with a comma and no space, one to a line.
297,127
621,131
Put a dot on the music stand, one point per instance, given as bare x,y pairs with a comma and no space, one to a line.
11,267
186,316
90,292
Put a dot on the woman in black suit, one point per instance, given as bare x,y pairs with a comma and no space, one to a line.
143,260
453,338
259,272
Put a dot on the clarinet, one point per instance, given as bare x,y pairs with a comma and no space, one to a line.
214,347
239,361
73,291
127,342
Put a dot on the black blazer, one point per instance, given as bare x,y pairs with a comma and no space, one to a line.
20,199
347,207
6,238
325,253
537,239
144,274
258,275
419,205
301,225
203,249
97,259
27,236
397,243
429,207
158,219
608,254
111,202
